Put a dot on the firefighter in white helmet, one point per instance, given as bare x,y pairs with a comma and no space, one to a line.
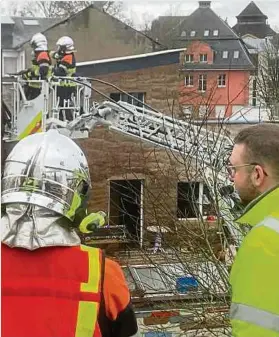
65,66
40,68
51,284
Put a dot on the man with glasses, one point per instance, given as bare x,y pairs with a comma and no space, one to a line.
254,169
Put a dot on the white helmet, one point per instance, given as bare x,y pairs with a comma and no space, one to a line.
39,42
49,170
65,44
44,192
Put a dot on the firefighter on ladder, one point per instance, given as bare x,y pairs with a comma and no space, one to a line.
65,66
40,68
51,284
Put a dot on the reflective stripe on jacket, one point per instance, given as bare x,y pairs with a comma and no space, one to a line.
53,291
68,66
42,59
255,273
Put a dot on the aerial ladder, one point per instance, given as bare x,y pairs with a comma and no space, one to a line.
206,149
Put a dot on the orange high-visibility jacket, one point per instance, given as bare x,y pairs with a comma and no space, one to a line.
57,291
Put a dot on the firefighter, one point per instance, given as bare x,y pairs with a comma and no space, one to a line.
254,169
65,66
40,68
51,284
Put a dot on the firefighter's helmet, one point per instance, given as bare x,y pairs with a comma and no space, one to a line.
48,170
39,42
65,45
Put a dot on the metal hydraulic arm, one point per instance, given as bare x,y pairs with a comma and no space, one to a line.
195,145
207,150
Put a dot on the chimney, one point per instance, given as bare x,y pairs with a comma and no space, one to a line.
204,4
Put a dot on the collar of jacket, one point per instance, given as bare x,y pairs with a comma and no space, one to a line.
265,205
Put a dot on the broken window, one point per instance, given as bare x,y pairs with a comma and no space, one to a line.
193,199
187,196
125,209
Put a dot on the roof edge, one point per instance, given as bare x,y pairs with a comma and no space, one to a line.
130,57
99,10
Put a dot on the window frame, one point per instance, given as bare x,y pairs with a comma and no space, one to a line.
203,82
121,96
214,32
225,52
236,52
206,32
191,58
221,80
5,61
190,77
201,187
18,55
203,58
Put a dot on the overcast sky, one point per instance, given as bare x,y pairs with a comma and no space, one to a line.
142,11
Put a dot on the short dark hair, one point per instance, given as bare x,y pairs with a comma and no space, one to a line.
262,144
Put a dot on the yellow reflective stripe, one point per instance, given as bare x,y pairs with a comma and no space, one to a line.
94,270
87,317
88,311
76,202
36,124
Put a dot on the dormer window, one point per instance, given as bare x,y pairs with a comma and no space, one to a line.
206,32
203,57
193,33
215,32
189,58
225,54
183,33
236,54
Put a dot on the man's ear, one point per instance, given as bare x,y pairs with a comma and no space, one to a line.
258,176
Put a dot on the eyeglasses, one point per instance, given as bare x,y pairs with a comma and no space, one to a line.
232,168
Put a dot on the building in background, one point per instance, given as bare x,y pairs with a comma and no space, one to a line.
215,68
14,32
116,38
252,22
